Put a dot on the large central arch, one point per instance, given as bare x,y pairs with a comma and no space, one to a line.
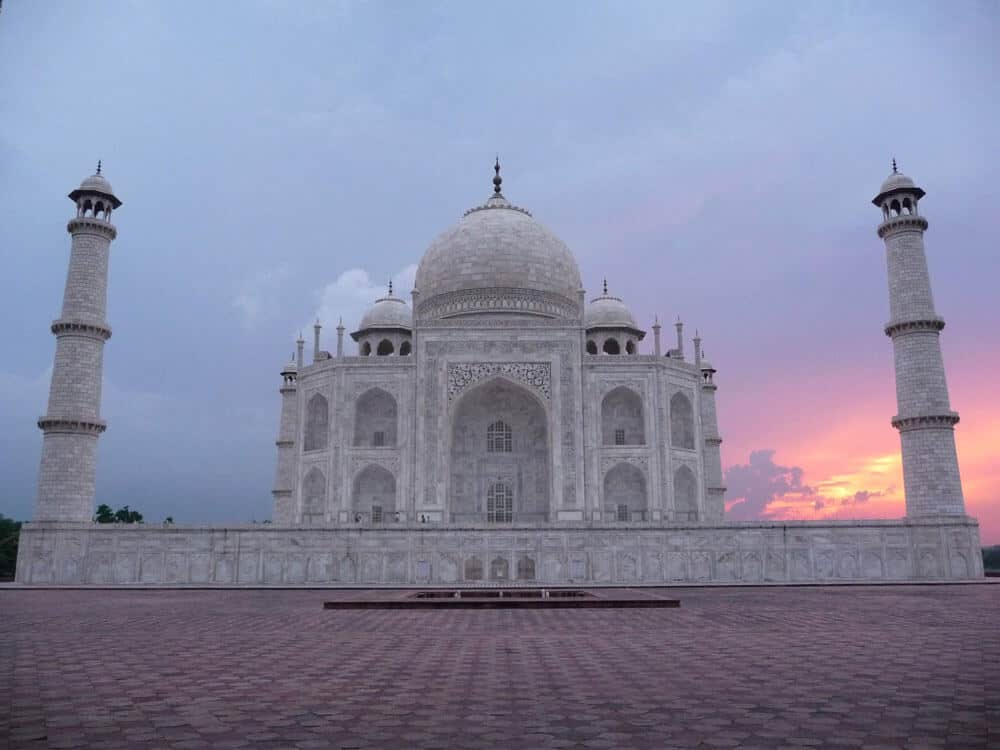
499,436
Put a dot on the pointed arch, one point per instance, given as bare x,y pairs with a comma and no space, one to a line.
375,419
404,349
625,497
374,493
685,494
385,348
622,420
681,421
611,346
317,423
314,496
591,347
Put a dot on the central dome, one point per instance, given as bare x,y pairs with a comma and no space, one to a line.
498,260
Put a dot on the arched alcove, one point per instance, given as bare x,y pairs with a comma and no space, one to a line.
374,494
591,347
385,348
314,496
621,418
519,422
375,418
611,346
681,422
404,349
625,493
366,349
317,423
685,495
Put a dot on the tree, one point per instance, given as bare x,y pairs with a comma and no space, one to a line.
104,514
124,515
10,532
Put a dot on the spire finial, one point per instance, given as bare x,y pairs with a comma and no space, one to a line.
98,166
605,287
390,287
894,170
497,179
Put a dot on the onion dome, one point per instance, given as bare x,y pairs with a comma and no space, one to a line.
498,260
387,313
607,311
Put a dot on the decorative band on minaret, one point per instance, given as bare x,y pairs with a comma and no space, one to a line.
924,418
72,422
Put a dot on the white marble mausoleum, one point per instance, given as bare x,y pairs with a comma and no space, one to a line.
499,427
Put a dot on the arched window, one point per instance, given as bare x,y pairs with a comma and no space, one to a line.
374,493
611,347
907,206
525,568
621,417
313,496
894,208
591,347
630,347
498,437
366,349
87,206
681,422
500,503
685,494
404,349
375,419
385,348
317,423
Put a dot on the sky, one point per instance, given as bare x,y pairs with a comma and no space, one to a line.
715,161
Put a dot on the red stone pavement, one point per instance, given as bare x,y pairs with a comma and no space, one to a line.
914,666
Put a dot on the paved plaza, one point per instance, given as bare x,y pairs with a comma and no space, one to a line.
914,666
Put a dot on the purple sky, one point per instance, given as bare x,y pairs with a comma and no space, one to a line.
276,160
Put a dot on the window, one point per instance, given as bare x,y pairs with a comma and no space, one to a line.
378,439
622,512
376,514
619,437
591,347
498,437
500,503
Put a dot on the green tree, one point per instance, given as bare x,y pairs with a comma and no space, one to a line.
104,514
10,532
124,515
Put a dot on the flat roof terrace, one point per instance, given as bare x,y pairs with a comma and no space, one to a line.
732,667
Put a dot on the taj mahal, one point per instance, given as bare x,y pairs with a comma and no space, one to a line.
498,425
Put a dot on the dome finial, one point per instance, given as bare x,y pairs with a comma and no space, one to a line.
98,166
497,179
894,170
390,287
605,287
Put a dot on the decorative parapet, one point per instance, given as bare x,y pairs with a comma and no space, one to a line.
912,221
925,422
535,375
81,328
75,426
909,326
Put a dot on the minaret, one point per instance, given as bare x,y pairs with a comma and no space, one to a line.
924,419
72,422
287,429
715,490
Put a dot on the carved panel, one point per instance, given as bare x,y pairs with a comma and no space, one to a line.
535,375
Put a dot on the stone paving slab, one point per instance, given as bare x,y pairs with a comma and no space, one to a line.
768,667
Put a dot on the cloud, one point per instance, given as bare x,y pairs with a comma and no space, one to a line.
762,488
259,295
353,291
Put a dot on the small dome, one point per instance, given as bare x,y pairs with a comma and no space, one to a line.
387,312
608,312
97,183
290,368
895,181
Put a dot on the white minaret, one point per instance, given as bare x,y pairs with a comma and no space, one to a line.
284,479
924,419
72,422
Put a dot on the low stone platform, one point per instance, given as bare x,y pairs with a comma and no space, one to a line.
520,598
886,667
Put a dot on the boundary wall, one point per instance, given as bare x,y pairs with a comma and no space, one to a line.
421,554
